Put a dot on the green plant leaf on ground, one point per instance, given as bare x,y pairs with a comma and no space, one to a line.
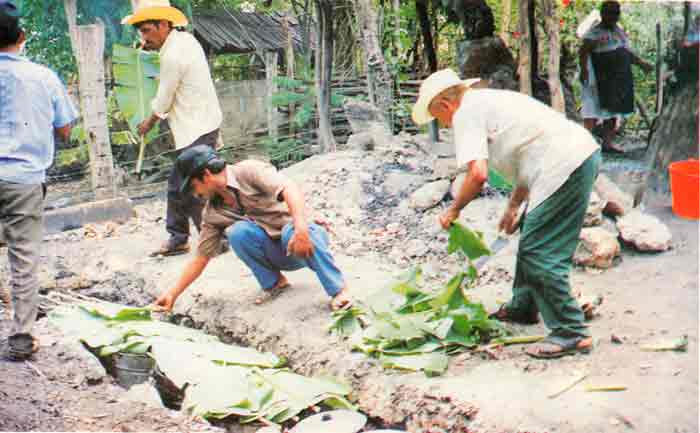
498,181
408,285
452,295
431,363
469,242
346,322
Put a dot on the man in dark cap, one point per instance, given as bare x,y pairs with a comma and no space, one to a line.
262,214
33,105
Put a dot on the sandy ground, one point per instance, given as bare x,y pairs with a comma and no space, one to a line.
647,298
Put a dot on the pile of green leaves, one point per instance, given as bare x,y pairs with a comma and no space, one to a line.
218,380
409,327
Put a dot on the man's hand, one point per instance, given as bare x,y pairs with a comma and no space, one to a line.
300,245
509,221
165,302
146,126
447,217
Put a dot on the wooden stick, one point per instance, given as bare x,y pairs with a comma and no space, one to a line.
139,162
568,387
36,370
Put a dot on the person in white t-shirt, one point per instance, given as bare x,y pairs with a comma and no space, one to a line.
552,163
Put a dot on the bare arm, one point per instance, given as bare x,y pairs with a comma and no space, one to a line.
584,52
295,202
64,132
473,183
192,271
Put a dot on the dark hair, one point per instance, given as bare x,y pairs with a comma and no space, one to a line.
214,166
610,4
10,30
156,23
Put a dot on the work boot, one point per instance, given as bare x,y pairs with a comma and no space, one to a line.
21,347
170,248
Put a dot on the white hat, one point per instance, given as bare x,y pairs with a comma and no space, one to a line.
147,10
433,86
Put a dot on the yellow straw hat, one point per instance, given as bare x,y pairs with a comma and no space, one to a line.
433,86
156,10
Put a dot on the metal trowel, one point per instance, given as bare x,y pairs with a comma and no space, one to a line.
496,246
335,421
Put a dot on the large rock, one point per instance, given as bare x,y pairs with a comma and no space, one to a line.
360,141
429,195
594,213
444,168
617,201
644,232
598,248
490,59
361,114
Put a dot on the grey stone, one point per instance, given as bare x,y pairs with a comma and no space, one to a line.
90,367
445,168
429,195
117,209
415,248
360,141
594,212
361,114
397,182
598,248
644,232
144,393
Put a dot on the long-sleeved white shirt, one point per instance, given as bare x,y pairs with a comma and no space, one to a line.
186,94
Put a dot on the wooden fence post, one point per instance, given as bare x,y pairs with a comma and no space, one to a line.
554,81
524,57
88,47
271,60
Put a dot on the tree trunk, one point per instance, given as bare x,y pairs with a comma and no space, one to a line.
552,23
505,21
424,20
324,72
534,40
397,27
88,46
524,66
381,81
289,51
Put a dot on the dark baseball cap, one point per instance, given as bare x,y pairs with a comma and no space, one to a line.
9,8
191,161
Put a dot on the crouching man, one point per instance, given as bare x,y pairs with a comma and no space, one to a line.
261,213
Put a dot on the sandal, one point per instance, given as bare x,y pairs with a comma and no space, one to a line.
21,347
272,293
341,301
503,314
556,347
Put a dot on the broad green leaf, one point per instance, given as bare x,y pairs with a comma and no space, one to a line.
431,363
153,328
224,388
451,295
498,181
427,347
438,328
469,242
110,311
408,284
77,323
135,77
345,322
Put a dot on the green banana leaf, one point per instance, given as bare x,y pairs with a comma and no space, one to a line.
498,181
135,76
471,243
431,363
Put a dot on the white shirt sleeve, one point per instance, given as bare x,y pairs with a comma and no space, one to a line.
470,135
171,71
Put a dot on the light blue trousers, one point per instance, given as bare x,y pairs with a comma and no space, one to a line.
266,257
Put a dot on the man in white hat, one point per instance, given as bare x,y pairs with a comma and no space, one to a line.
186,98
552,163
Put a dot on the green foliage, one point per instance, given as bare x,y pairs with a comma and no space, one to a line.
410,328
135,75
218,380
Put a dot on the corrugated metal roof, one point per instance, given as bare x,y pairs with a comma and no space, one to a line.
229,31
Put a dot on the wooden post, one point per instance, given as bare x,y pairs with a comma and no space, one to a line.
554,81
271,59
524,69
324,74
290,69
88,46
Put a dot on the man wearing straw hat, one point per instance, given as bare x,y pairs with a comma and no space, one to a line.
186,98
552,163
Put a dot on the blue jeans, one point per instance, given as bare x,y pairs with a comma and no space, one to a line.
266,257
